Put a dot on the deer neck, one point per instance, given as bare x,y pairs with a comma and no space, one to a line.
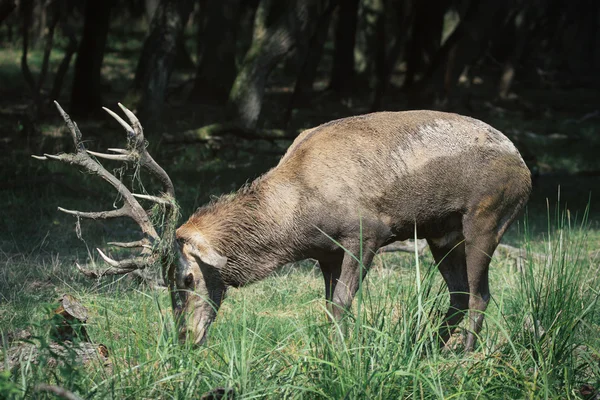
252,230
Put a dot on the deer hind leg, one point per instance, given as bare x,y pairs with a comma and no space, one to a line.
449,254
483,231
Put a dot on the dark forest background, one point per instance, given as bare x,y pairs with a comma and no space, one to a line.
223,86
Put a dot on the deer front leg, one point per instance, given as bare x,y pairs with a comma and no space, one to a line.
352,273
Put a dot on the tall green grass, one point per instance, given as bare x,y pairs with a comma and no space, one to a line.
273,340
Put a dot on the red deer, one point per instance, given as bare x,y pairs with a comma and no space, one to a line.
363,181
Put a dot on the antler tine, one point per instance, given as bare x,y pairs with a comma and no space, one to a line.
115,157
135,123
155,199
75,132
128,128
120,151
121,212
135,133
130,245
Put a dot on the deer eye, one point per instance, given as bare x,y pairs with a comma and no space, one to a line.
189,280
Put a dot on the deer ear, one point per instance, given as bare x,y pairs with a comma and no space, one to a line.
200,248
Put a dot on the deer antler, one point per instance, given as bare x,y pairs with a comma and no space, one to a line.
153,247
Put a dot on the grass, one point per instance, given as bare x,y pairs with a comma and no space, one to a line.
272,339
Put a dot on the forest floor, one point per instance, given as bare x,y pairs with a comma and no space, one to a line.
272,339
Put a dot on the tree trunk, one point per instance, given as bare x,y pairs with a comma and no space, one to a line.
342,72
426,37
278,28
312,59
386,60
370,41
6,7
200,19
26,10
517,32
459,50
63,67
54,17
157,59
150,8
216,71
86,96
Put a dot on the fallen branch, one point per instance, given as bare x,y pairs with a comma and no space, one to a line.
515,252
54,355
407,246
144,275
57,391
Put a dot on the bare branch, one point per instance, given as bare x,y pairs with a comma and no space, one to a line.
404,246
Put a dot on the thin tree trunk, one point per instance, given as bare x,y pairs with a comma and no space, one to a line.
518,24
380,69
342,73
158,54
63,67
308,70
48,46
426,37
216,71
278,27
6,8
26,9
86,96
459,50
370,41
200,19
386,64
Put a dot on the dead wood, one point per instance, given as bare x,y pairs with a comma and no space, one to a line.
57,390
54,354
407,246
69,342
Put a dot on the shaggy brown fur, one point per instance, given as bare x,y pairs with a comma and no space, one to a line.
461,181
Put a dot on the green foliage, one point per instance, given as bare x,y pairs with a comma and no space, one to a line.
272,339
